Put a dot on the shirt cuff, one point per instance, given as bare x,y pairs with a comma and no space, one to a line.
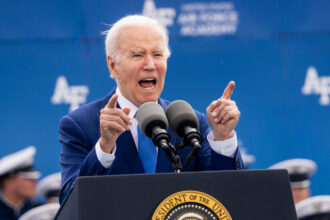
104,158
227,147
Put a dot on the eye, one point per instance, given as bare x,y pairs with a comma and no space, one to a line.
137,55
158,55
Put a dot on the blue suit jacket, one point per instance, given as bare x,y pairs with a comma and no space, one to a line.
80,130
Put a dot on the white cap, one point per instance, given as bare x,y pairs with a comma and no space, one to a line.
313,207
300,171
49,186
20,163
44,212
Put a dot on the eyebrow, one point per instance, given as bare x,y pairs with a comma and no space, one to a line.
143,52
137,51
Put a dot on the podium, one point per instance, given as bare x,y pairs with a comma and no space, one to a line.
241,195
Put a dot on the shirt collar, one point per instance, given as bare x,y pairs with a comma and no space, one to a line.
15,207
125,103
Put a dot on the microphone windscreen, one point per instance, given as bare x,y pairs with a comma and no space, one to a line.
149,115
179,115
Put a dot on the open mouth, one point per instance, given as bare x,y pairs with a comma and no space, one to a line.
148,83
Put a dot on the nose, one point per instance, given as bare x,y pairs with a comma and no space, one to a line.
33,181
149,63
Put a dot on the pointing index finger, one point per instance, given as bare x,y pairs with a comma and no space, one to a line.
229,90
113,101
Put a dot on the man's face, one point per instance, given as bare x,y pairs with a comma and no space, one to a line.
300,194
141,69
23,187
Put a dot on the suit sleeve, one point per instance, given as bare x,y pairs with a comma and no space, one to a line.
208,159
78,156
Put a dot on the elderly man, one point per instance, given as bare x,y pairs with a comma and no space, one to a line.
103,137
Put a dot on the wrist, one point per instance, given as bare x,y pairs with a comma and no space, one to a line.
107,146
222,137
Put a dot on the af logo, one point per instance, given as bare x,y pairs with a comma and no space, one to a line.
164,16
317,85
191,205
65,94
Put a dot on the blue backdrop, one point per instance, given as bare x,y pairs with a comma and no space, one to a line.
52,60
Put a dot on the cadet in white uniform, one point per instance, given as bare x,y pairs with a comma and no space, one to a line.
18,180
314,208
300,172
49,187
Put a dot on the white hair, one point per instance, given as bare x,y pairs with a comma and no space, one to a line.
111,43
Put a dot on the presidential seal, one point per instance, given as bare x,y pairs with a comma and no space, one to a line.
191,205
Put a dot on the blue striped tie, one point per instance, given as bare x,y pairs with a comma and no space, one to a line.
147,152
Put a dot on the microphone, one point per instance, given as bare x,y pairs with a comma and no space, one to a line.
184,123
154,124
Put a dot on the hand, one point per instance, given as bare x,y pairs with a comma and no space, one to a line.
113,122
223,114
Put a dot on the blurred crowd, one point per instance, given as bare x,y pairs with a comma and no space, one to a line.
300,171
25,196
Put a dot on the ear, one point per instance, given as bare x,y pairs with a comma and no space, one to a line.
8,183
112,66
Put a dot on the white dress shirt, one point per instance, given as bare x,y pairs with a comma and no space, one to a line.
227,147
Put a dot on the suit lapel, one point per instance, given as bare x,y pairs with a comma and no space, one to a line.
128,151
163,162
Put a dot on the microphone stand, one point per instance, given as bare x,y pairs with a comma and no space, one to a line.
161,139
176,163
192,138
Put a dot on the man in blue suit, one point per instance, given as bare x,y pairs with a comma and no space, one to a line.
101,138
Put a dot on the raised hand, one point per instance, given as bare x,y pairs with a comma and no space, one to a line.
223,114
113,122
